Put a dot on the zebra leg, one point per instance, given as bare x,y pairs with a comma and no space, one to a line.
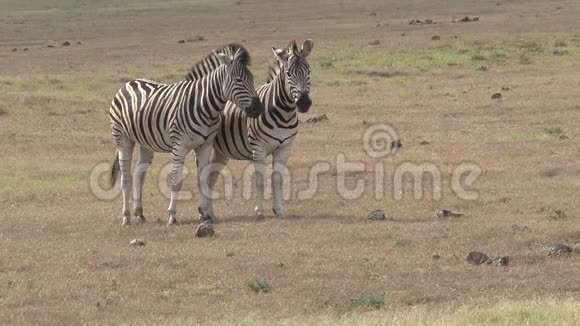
178,157
259,157
145,159
280,157
125,148
218,162
202,154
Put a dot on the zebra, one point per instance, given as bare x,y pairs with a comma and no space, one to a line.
241,138
178,118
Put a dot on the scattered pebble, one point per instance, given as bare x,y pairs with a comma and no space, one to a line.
447,213
181,41
560,249
377,215
420,22
467,19
424,142
482,68
506,88
435,37
496,96
50,46
317,119
479,258
375,42
564,137
137,243
396,144
65,43
14,50
373,13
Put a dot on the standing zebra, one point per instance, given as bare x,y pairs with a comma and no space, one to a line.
241,138
177,118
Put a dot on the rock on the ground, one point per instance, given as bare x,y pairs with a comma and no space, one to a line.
377,215
496,96
137,243
396,144
205,229
477,258
560,249
448,213
317,119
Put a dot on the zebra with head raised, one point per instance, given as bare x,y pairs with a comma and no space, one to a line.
240,138
178,118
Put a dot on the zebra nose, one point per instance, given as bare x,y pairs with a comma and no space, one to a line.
255,108
303,102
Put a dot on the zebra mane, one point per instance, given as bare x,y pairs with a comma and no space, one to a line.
274,69
208,64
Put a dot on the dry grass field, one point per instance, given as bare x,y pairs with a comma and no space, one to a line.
65,258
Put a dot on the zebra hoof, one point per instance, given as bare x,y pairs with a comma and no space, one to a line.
172,221
126,221
140,219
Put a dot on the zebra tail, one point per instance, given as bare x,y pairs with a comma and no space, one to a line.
114,170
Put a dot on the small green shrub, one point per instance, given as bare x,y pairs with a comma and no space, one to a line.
259,284
368,301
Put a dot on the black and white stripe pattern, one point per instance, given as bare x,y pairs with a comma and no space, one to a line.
178,118
243,138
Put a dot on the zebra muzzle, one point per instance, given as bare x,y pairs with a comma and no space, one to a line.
303,103
255,108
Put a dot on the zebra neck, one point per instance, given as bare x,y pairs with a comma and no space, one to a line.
211,97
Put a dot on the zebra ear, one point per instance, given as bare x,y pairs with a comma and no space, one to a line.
307,48
279,53
223,58
293,47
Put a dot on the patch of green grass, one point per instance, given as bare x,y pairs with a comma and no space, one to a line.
367,301
553,132
558,215
259,284
531,313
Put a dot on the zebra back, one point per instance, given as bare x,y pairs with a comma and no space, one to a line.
208,64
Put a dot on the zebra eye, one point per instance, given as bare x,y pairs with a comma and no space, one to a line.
239,80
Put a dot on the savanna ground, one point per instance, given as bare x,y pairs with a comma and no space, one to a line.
65,258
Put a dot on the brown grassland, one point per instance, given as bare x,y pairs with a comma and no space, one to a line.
64,257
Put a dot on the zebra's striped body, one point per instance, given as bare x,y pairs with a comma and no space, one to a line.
177,118
244,138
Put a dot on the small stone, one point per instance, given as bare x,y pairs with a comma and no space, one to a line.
496,96
373,14
374,42
482,68
317,119
25,49
137,243
205,229
436,257
403,34
66,43
435,37
14,50
564,137
79,43
447,213
424,142
560,249
477,258
501,261
506,88
396,144
50,46
181,41
377,215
